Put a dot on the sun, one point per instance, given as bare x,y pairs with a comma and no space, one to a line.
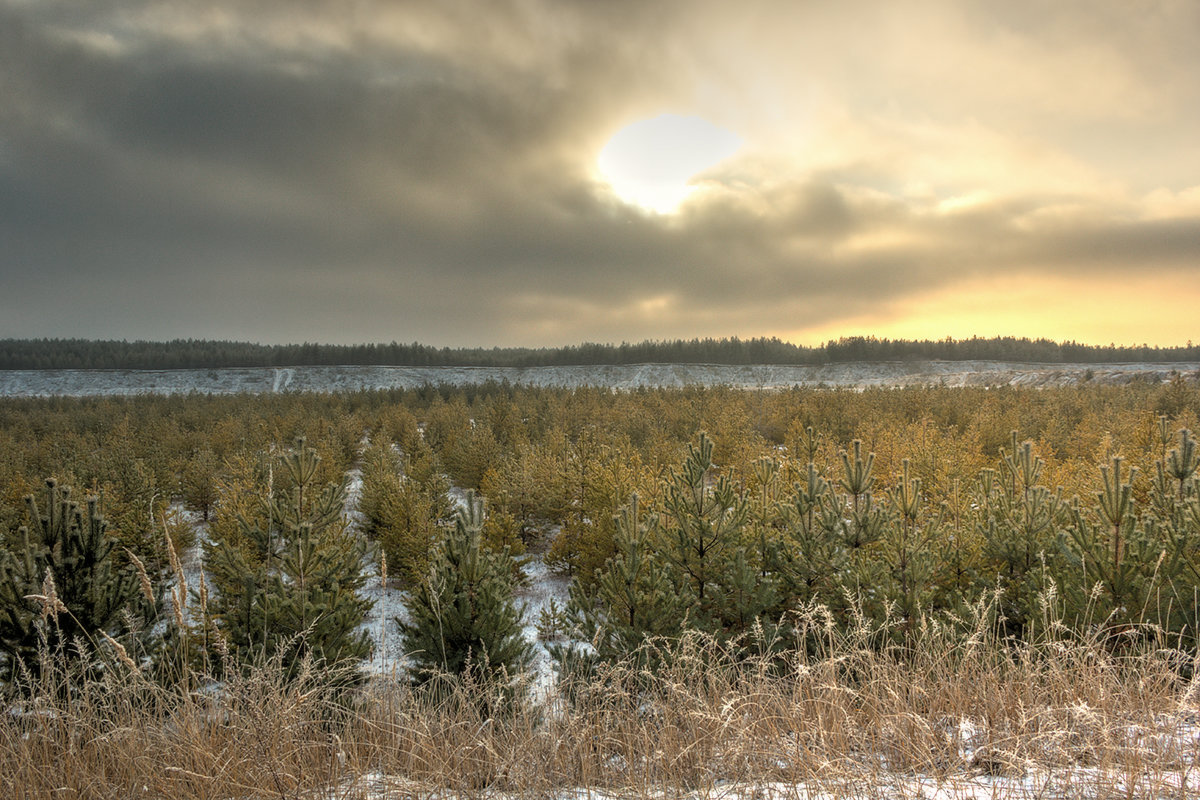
650,163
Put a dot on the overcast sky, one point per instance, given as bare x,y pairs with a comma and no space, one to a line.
347,171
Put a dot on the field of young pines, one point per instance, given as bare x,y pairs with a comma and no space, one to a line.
515,591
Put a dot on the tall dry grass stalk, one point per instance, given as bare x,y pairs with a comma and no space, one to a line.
842,712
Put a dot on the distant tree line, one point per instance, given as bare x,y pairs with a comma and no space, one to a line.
204,354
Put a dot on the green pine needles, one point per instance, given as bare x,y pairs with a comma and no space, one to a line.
290,589
61,588
632,601
462,618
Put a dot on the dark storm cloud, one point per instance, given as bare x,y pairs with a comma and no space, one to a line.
349,172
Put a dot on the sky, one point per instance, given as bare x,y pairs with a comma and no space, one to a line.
343,171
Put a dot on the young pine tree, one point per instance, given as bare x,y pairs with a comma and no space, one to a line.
1116,560
462,618
403,501
60,585
813,559
702,528
631,600
1019,520
295,594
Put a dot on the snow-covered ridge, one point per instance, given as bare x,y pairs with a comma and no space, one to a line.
265,380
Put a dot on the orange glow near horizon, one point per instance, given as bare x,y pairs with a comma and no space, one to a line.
1159,311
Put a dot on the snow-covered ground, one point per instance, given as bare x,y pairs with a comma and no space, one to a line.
1075,784
387,657
970,778
542,588
76,382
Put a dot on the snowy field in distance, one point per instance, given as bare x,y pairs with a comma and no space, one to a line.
258,380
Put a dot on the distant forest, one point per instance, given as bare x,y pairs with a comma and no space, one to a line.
200,354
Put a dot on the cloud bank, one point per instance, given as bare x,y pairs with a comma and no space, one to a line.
377,171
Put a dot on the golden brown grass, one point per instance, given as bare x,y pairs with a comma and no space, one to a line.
843,714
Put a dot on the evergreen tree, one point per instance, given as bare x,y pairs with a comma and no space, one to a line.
198,481
403,501
295,593
703,526
1175,507
861,523
633,599
812,562
906,549
747,597
239,505
1019,522
462,617
1115,558
61,585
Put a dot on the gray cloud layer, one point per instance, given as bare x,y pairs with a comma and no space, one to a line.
333,171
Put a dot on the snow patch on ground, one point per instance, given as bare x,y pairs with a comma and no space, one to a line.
191,561
542,588
388,601
387,655
1079,782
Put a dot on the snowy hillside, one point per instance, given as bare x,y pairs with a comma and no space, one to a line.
27,383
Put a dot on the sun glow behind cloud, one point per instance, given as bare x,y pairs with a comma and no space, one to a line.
652,163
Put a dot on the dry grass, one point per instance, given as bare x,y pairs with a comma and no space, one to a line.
842,714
